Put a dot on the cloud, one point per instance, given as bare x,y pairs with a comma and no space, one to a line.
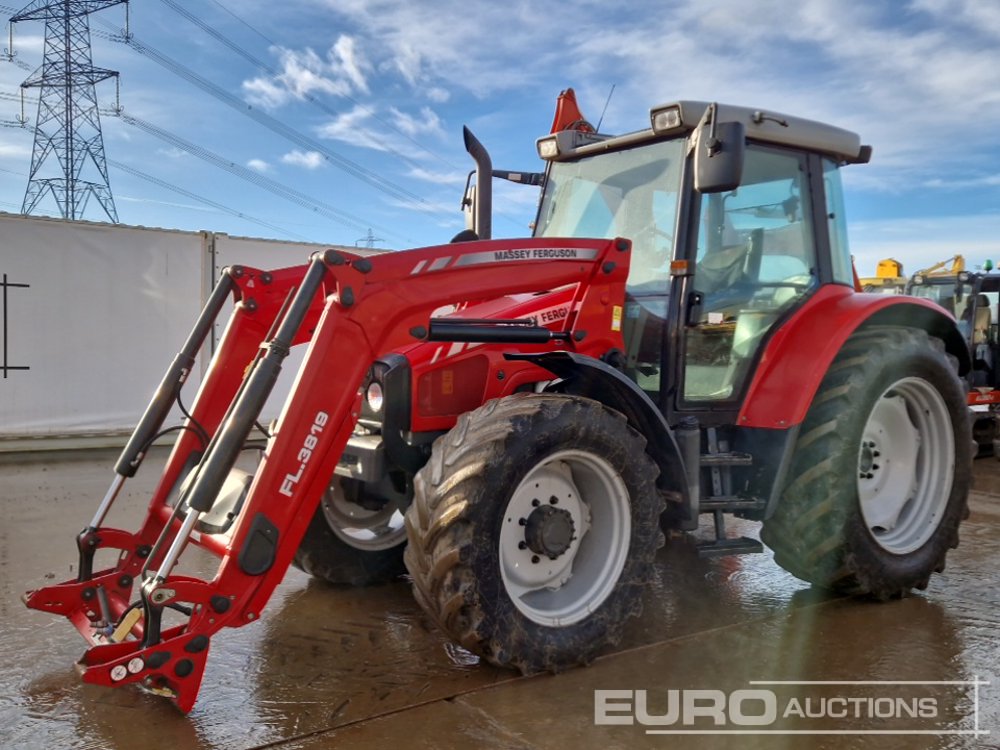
427,124
920,242
306,159
259,165
304,73
351,127
438,95
438,178
992,180
26,43
14,151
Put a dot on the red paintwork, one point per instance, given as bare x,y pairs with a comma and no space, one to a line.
398,294
547,309
568,115
979,399
800,352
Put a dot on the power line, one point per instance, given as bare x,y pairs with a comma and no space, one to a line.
270,70
273,186
276,126
201,199
256,31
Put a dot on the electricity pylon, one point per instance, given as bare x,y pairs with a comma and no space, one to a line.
67,161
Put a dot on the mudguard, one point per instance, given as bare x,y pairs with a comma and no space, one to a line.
799,354
590,377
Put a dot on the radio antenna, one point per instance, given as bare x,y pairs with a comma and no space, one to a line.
606,103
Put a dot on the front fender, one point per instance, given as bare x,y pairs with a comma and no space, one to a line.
798,355
586,376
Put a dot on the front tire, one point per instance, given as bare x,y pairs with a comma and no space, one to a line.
533,529
880,478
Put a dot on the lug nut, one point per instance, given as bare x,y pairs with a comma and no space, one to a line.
535,558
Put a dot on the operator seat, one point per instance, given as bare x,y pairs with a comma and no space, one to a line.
983,321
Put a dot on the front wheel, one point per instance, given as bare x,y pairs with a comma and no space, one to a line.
881,474
533,529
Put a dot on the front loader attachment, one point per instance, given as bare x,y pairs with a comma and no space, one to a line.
348,310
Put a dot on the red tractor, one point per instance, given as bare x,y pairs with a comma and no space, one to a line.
681,336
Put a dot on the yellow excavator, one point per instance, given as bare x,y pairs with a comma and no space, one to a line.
888,278
941,268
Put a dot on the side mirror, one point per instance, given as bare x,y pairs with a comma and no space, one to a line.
719,151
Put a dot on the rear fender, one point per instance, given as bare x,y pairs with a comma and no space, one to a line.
589,377
798,355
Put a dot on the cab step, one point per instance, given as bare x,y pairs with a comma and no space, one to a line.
742,545
729,504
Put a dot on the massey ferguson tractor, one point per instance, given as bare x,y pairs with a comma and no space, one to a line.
518,422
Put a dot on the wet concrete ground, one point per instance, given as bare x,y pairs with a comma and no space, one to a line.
332,667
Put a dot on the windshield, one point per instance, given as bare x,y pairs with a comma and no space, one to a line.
943,292
631,193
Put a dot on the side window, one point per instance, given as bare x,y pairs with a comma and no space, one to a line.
840,253
755,259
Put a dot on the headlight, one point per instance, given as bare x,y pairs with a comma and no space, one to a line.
667,119
375,397
548,148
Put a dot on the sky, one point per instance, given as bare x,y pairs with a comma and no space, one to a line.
357,106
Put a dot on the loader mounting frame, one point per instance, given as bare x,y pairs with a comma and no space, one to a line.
349,310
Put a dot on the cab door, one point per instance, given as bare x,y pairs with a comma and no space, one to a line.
755,259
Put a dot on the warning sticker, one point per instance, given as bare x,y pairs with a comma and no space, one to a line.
616,318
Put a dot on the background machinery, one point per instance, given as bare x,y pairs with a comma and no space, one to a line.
888,279
974,299
517,421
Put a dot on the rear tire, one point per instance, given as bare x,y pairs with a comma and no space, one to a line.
880,478
533,530
348,544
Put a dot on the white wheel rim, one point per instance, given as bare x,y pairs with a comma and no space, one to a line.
906,463
366,530
591,494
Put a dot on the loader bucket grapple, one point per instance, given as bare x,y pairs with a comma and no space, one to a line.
347,310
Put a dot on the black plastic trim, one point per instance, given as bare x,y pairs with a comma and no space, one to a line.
259,547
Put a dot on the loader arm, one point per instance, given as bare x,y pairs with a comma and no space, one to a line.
349,310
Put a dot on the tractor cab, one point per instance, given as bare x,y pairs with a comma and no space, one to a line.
736,219
974,300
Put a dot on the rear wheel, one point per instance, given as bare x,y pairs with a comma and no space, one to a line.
881,474
353,539
533,528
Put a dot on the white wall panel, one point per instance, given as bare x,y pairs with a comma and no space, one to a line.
96,312
105,310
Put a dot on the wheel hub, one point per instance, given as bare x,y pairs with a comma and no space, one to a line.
867,465
549,530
